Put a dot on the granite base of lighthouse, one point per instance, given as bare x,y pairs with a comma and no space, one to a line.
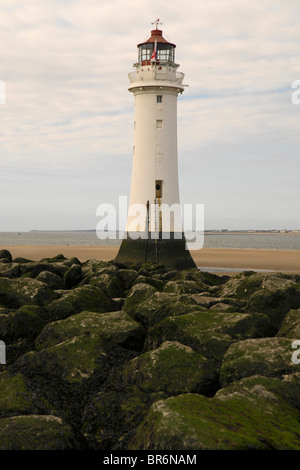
170,251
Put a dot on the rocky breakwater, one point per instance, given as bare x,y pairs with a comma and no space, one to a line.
107,356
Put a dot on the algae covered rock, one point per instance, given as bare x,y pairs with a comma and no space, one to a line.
209,333
73,276
17,292
27,321
240,422
81,298
15,397
271,357
137,295
161,305
5,255
36,432
117,327
73,361
173,368
111,417
290,327
287,387
52,280
272,294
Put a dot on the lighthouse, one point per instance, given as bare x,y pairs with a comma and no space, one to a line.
156,235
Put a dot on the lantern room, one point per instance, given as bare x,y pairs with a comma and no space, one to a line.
156,49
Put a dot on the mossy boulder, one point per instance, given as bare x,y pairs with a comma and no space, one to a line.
183,287
34,268
161,305
273,294
26,322
193,422
17,292
137,294
73,361
209,333
117,327
287,387
290,327
128,277
15,397
5,255
111,284
54,281
72,276
173,368
78,299
36,432
111,417
271,357
11,270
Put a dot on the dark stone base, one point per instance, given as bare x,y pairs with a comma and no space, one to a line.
171,252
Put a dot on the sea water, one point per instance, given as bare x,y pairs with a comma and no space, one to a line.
278,241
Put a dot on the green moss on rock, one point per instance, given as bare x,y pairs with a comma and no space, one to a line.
17,292
15,397
195,422
290,327
117,327
271,357
81,298
173,368
36,432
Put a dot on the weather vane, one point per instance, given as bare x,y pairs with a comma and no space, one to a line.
156,22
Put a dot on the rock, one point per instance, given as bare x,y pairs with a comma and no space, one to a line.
21,260
73,366
173,368
151,280
112,416
161,305
5,255
11,270
257,421
73,276
17,292
287,387
290,327
52,280
137,294
33,269
80,298
15,397
26,322
111,284
272,294
69,262
271,357
208,333
183,287
128,277
116,327
36,432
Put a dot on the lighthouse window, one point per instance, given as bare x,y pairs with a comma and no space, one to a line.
159,123
158,189
159,98
145,52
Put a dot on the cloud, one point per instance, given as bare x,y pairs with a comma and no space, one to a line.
68,112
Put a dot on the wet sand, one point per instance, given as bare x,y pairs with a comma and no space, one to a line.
222,258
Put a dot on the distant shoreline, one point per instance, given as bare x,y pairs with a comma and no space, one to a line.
287,261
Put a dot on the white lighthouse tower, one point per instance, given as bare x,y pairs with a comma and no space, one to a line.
158,234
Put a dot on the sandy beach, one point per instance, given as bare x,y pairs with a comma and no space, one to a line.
238,259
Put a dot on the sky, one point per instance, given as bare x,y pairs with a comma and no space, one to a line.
66,131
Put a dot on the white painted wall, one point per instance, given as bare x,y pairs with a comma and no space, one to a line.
155,149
